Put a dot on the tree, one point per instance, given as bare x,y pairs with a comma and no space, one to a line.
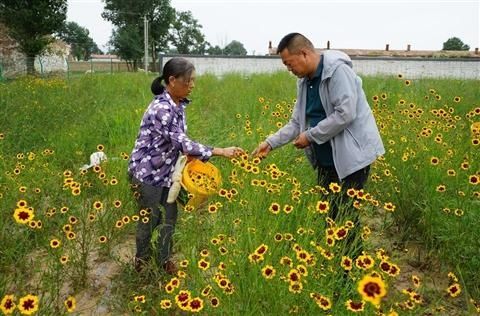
235,48
82,45
128,44
31,24
215,50
127,13
454,43
186,35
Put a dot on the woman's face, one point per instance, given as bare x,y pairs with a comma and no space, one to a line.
181,86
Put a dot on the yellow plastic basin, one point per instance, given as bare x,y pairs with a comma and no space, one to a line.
201,179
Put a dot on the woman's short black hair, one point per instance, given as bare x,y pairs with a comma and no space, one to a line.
176,67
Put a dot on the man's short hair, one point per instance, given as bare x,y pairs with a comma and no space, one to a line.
294,42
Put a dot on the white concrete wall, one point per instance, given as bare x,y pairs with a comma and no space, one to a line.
410,68
51,63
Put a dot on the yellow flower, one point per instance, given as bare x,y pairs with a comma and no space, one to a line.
322,207
70,304
262,249
295,287
22,204
28,304
214,301
286,261
268,272
182,297
23,215
8,304
97,205
454,290
274,208
64,259
139,298
165,304
203,264
372,289
473,179
340,233
364,262
255,258
195,305
334,187
55,243
212,208
70,236
389,207
169,288
323,302
416,281
346,263
294,276
355,306
287,208
452,277
206,290
441,188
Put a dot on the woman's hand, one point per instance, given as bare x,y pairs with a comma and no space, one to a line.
231,152
228,152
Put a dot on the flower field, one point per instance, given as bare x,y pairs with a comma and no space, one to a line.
264,244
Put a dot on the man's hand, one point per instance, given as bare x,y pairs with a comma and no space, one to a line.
301,141
262,150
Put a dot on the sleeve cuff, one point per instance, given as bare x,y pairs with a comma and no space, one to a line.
308,134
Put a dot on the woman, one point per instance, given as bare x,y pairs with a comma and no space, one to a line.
162,138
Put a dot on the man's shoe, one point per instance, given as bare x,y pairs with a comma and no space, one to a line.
170,267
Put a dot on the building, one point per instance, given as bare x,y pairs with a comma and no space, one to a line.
13,62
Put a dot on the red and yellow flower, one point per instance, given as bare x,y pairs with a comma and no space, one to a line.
372,289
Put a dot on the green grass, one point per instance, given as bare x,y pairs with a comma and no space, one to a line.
50,127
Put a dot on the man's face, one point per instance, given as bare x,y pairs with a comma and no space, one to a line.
296,63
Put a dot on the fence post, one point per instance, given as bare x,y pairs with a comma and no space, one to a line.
160,63
91,66
68,69
111,66
41,65
1,72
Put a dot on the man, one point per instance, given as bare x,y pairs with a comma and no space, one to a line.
332,120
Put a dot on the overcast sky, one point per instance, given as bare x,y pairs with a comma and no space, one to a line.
424,24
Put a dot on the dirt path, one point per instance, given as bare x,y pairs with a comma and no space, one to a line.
414,260
91,301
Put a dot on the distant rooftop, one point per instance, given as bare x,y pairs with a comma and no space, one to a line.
107,56
408,52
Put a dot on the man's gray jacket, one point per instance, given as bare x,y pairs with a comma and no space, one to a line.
349,126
